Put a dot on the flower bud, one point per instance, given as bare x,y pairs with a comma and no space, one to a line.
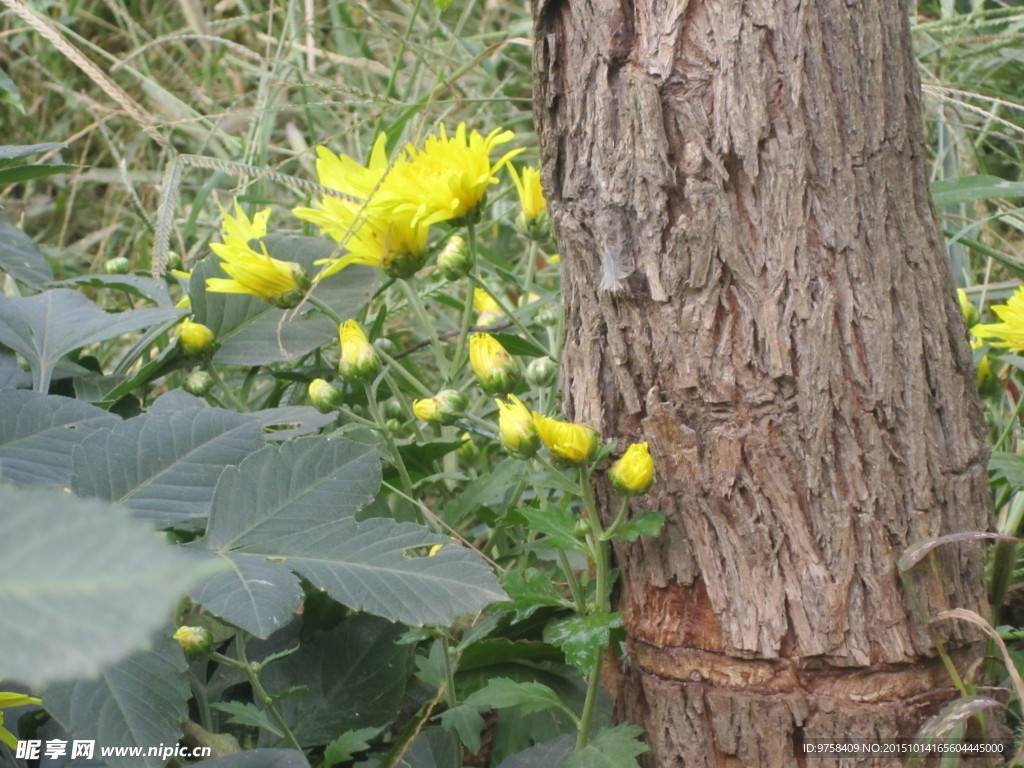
324,396
633,474
195,338
494,367
542,371
445,408
118,265
455,260
517,428
359,360
196,641
537,228
173,262
197,383
488,310
575,443
548,316
967,309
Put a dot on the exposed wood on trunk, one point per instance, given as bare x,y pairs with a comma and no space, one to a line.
755,283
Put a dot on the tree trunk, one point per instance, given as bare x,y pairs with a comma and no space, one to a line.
756,284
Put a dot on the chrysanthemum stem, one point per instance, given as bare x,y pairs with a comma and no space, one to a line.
323,307
229,393
507,312
389,440
620,518
531,267
394,365
259,692
416,304
461,348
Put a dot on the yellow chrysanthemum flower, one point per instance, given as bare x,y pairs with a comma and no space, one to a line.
531,196
634,472
395,245
8,699
282,283
359,360
495,368
576,443
518,432
448,179
1010,332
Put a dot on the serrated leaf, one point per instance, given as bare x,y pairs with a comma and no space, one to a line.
45,327
557,524
291,420
288,490
502,693
139,702
643,524
616,747
252,593
38,434
551,754
466,721
165,465
81,585
580,637
347,745
483,490
532,589
356,676
137,285
247,713
21,258
260,758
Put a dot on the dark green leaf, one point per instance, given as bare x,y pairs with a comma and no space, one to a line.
644,524
140,701
81,584
21,258
252,593
350,743
532,589
502,693
9,95
466,721
137,285
19,173
260,758
39,433
356,675
516,345
11,374
580,637
45,327
551,754
248,714
1009,465
615,747
557,524
165,465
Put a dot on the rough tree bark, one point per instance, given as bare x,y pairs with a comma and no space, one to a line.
755,283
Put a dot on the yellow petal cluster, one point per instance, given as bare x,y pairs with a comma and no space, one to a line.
576,443
1010,332
282,283
518,432
359,360
531,196
634,472
495,368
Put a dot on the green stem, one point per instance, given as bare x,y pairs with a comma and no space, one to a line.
531,267
389,440
1010,425
574,584
590,703
202,701
252,674
506,311
449,672
394,365
326,309
224,388
416,304
461,348
620,518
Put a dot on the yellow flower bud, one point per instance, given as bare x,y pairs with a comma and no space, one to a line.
494,367
195,338
455,260
967,309
196,641
445,408
518,432
576,443
359,359
324,396
634,472
487,309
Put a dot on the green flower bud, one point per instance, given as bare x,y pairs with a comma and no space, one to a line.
118,265
386,345
542,371
455,260
445,408
197,642
197,383
359,360
495,368
548,316
324,396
